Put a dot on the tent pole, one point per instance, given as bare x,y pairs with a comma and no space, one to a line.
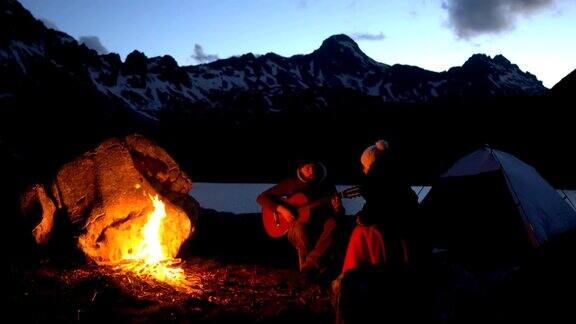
422,188
566,198
527,223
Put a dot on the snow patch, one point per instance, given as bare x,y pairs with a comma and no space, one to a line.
19,50
434,86
347,81
388,87
321,77
94,76
66,39
375,89
497,84
273,66
29,49
207,84
352,49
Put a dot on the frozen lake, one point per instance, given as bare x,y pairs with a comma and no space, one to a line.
240,198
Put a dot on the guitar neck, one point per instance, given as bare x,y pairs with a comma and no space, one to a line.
318,202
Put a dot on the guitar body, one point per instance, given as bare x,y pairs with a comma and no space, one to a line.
275,225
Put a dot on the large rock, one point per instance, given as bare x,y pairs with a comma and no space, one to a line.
36,196
107,195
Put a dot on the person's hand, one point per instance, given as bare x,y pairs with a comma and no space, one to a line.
286,214
336,203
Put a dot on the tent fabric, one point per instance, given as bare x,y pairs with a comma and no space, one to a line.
544,212
548,213
478,162
476,219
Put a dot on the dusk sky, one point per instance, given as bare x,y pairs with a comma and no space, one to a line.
537,35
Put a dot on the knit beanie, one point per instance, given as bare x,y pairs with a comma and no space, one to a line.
371,153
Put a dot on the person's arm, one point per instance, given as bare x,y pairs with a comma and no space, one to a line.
272,197
361,216
337,202
337,205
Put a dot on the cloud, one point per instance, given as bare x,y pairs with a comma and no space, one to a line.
368,36
471,18
303,4
202,57
49,24
93,42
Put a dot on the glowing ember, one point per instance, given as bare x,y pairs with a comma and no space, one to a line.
149,257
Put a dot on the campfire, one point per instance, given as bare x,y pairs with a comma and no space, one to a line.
147,257
128,203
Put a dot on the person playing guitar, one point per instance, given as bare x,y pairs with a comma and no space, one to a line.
312,234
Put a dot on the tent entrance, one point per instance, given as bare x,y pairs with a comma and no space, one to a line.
479,221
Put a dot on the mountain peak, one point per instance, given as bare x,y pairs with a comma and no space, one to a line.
342,50
500,73
485,60
566,86
136,63
339,40
500,59
478,58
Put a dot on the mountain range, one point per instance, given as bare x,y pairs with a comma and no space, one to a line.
30,51
245,118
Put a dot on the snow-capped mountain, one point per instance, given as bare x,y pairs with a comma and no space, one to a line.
30,53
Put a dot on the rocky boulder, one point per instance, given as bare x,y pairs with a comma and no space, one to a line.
107,195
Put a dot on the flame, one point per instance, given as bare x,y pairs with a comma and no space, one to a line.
149,257
150,249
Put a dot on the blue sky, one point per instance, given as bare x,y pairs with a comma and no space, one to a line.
537,35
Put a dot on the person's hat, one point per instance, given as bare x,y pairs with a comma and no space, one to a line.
371,153
319,169
302,162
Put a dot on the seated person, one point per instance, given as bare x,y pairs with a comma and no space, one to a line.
313,238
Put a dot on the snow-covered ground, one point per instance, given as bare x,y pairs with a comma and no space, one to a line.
240,198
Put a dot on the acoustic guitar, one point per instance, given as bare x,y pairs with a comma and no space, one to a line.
277,226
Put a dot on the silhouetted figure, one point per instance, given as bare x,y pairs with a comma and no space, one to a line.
386,221
376,284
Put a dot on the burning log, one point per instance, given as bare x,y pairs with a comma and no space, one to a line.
127,199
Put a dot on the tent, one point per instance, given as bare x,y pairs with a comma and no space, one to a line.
491,204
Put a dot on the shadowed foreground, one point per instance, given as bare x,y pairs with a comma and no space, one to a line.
237,274
220,292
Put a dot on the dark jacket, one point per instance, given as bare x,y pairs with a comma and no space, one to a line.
313,190
390,201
